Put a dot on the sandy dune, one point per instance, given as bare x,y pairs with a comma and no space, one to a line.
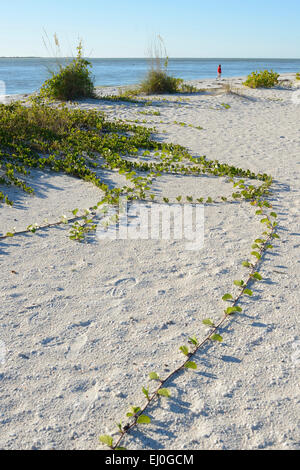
82,325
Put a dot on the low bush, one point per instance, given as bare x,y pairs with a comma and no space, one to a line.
158,82
262,79
71,82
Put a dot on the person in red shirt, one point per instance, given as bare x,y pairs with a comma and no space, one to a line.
219,71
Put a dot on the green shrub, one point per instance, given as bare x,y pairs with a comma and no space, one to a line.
158,81
297,76
185,88
71,82
262,79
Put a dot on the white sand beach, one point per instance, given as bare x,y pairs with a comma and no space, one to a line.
83,324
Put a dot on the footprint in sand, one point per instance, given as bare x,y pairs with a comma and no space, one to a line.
122,287
84,403
76,346
2,352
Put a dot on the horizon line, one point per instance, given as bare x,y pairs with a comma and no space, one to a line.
149,58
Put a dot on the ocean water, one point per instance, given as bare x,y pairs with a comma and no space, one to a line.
26,75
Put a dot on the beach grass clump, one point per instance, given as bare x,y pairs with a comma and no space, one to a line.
262,79
73,81
159,82
186,88
229,89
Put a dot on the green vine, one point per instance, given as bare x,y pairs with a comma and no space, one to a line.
82,144
137,414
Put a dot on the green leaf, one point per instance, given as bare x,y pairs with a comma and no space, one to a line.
135,409
248,292
234,309
143,419
273,214
9,234
75,212
216,337
108,440
191,365
227,297
256,254
208,322
154,376
146,392
120,448
164,392
239,283
246,264
257,276
120,426
194,340
184,350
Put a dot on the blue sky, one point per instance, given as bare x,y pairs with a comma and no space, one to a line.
125,28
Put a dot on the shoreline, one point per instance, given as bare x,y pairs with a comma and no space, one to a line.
237,80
